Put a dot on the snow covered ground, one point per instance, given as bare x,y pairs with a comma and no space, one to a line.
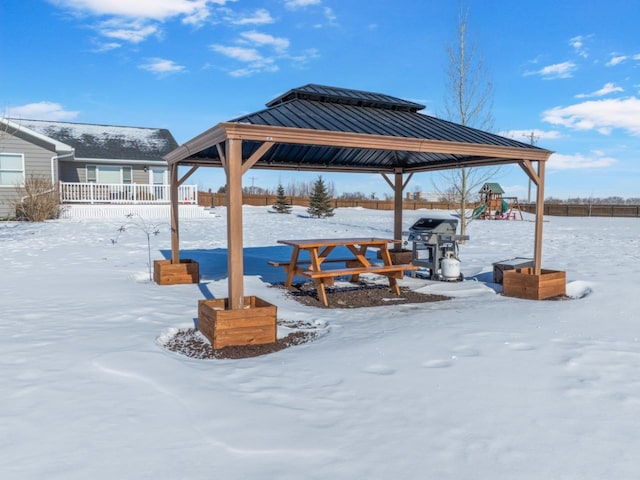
477,387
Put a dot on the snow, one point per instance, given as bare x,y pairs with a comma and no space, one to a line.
481,386
100,134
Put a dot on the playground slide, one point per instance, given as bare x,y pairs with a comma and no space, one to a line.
505,206
478,211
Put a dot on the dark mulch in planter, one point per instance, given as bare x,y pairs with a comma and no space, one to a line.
359,295
190,343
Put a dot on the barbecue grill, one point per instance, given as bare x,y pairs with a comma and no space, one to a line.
435,247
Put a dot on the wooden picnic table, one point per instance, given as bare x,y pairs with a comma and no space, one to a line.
319,250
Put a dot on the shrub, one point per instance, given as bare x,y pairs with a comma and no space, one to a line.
39,200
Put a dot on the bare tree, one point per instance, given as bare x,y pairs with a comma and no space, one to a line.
468,101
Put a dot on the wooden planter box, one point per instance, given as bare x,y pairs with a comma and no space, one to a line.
402,257
253,325
167,273
512,264
522,283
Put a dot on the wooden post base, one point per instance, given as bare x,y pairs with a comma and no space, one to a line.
522,283
167,273
252,325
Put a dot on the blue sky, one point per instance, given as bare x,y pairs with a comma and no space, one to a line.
567,70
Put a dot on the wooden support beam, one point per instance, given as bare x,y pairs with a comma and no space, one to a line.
188,174
307,136
235,264
257,155
397,209
531,173
384,175
175,230
537,258
406,181
223,159
398,186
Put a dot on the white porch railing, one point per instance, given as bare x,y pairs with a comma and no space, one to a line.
133,194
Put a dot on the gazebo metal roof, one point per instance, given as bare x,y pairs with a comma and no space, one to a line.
420,142
328,129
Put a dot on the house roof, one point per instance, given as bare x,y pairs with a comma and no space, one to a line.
105,141
334,129
492,188
14,127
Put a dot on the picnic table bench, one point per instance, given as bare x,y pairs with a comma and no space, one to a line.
319,250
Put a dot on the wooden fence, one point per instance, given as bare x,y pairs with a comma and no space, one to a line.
218,199
553,209
573,210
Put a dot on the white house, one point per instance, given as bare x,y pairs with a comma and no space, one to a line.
93,164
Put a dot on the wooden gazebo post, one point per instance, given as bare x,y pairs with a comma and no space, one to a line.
538,179
235,265
397,207
175,232
537,258
398,186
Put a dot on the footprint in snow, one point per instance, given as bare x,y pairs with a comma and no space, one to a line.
438,363
465,351
520,346
379,369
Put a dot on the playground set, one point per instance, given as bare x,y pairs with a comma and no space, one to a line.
494,206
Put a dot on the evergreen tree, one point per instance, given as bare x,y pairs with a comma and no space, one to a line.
281,205
319,201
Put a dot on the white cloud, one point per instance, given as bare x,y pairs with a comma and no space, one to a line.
293,4
599,115
136,20
251,70
259,17
525,135
306,56
141,9
106,47
558,161
263,39
259,51
134,31
617,59
578,45
41,111
162,67
241,54
607,89
558,70
330,15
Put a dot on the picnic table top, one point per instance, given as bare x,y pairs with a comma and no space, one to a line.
334,242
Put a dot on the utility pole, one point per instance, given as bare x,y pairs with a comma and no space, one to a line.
532,140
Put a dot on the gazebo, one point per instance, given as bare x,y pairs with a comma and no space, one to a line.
326,129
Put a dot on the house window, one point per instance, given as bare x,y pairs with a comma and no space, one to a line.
127,178
112,175
11,169
158,176
92,174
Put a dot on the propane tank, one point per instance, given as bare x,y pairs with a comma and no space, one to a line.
450,267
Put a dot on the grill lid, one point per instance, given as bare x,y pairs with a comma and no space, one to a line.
445,226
